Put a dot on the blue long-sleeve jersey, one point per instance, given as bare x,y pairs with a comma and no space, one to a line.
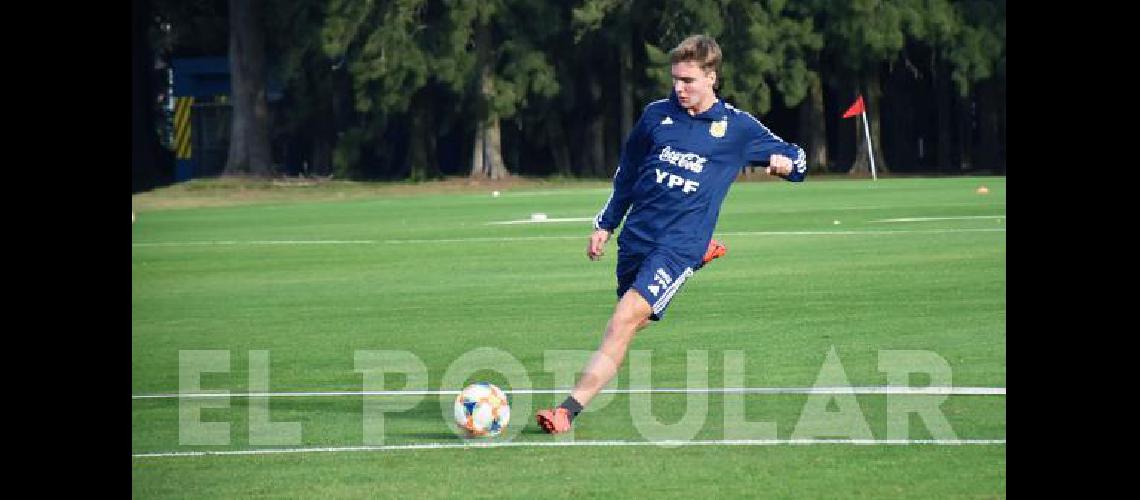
675,171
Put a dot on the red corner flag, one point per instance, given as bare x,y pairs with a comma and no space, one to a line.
855,108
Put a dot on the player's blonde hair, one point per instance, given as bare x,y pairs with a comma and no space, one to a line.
701,49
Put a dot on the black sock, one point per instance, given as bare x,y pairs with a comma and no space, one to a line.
573,406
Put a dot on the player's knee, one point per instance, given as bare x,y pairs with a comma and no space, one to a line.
626,320
630,315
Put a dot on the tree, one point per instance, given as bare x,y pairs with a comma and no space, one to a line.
977,61
426,66
494,54
151,164
486,155
763,49
249,139
168,29
599,25
385,48
966,43
306,120
415,88
768,47
861,37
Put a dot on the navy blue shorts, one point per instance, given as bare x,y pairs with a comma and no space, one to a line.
656,276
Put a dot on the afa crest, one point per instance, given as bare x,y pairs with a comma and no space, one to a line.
717,129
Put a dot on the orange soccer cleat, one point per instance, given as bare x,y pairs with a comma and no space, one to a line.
554,421
716,249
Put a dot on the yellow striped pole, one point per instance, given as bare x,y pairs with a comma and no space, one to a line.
182,127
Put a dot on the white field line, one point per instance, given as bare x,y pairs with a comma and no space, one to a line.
488,239
925,219
543,221
256,242
495,239
556,192
541,444
953,391
873,232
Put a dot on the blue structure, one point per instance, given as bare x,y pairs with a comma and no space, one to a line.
198,81
202,109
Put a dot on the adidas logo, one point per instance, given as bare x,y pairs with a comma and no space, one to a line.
654,288
667,121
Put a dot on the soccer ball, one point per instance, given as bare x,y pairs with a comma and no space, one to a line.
482,410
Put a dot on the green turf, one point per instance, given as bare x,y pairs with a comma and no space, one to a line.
427,275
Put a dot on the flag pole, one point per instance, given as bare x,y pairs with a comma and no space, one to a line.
870,151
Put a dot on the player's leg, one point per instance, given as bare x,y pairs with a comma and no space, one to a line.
630,315
654,281
644,323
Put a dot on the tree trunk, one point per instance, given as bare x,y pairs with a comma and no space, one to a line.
422,160
558,144
487,157
323,130
249,139
147,160
989,125
871,100
626,75
813,127
478,155
898,119
320,162
965,132
596,132
944,97
493,144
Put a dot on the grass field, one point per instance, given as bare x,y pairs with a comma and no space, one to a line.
854,270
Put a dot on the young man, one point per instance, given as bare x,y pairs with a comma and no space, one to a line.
675,170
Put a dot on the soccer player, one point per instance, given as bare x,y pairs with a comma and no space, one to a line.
676,167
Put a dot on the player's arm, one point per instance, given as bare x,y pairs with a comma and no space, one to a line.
611,215
782,158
